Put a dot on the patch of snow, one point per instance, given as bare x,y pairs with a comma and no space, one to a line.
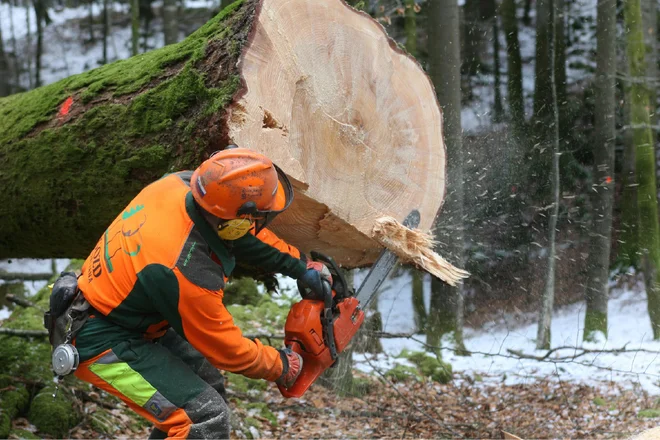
629,326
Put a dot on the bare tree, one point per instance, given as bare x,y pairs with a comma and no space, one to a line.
170,22
545,318
5,86
602,196
498,109
135,26
446,311
514,65
645,161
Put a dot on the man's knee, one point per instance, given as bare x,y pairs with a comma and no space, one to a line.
209,415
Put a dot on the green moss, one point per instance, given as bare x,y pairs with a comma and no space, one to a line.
263,411
52,415
649,414
152,117
245,385
429,366
14,402
27,358
599,401
22,434
5,424
242,291
594,322
401,373
267,317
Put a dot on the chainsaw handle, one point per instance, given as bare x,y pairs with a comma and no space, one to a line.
339,284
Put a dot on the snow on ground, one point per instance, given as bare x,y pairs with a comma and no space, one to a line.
629,327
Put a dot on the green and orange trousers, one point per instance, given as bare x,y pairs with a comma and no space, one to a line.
165,380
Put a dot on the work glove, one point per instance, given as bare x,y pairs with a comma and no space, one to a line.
315,282
291,367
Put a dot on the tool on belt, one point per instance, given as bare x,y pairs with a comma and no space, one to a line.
68,312
319,328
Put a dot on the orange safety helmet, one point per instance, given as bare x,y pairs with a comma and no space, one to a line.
238,182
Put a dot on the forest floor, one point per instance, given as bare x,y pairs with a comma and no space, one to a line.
464,408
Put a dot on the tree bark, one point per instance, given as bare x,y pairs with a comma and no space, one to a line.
410,27
560,56
40,12
514,65
542,93
106,31
543,338
355,124
498,109
170,23
5,86
28,41
645,162
419,309
446,314
471,37
650,29
602,196
628,252
135,26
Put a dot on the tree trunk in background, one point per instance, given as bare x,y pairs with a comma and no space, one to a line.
628,252
146,15
112,130
90,21
40,12
543,338
471,37
135,26
602,196
106,31
410,27
498,109
515,96
28,40
645,162
542,92
419,309
170,22
650,29
560,56
5,86
14,49
526,13
446,311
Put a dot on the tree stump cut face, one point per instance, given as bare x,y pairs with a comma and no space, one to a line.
348,116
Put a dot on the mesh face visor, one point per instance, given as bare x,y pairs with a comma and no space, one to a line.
264,218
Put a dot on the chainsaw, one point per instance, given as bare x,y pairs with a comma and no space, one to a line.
319,329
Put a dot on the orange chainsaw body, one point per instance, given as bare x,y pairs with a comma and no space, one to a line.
304,334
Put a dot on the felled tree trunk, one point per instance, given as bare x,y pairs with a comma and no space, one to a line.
317,86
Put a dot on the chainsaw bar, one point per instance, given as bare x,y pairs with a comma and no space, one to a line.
382,267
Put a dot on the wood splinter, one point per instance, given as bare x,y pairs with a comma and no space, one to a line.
416,246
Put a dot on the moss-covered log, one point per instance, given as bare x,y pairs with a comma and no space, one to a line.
317,86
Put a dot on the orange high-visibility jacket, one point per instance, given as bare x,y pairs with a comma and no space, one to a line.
161,264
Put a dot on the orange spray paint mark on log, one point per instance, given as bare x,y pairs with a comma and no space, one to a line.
66,106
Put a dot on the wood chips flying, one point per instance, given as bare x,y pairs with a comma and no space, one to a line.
415,246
